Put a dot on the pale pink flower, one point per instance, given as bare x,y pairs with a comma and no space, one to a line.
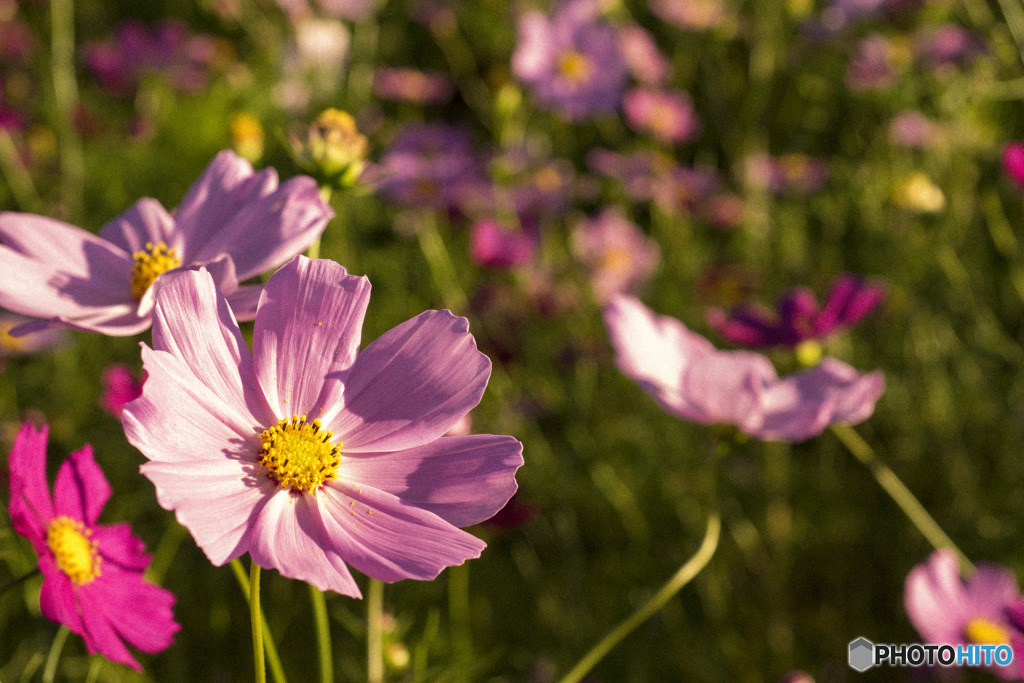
668,115
693,380
617,254
237,223
306,455
92,573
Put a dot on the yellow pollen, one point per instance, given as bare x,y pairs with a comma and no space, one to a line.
73,548
984,632
574,66
617,260
149,263
299,454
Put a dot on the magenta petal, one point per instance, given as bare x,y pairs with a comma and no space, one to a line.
744,326
31,507
461,479
308,328
81,490
57,600
411,385
117,544
384,538
289,536
192,322
1013,160
145,221
99,634
136,611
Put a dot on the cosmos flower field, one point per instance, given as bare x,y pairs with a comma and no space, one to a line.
604,340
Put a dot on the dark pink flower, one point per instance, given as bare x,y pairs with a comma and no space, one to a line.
92,573
797,316
236,222
119,388
307,453
496,246
693,380
1013,161
947,610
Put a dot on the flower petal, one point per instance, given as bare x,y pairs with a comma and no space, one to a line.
461,479
118,545
289,536
62,247
192,322
137,611
81,490
382,537
146,221
727,387
99,634
935,599
411,385
31,506
57,600
307,330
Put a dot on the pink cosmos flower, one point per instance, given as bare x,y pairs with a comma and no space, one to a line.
797,316
668,115
693,380
305,454
617,254
92,573
946,610
235,222
1013,160
493,246
119,388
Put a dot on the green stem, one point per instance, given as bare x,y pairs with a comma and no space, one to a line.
458,611
900,494
323,634
682,577
273,660
440,263
375,632
164,552
256,619
19,180
65,89
50,670
21,579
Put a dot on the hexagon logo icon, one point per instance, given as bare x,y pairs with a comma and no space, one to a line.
862,654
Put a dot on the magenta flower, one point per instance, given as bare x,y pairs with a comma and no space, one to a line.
617,254
667,115
119,388
235,222
92,573
797,317
947,610
1013,160
494,246
693,380
571,62
305,454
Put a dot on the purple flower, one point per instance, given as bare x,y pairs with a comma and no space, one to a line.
693,380
305,453
236,222
119,388
872,65
92,573
428,165
1013,160
616,253
797,316
413,85
947,46
947,610
571,61
668,115
495,246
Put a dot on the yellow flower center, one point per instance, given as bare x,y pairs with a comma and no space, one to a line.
299,454
149,263
574,66
984,632
618,260
75,551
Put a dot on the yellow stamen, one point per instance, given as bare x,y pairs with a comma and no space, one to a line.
574,66
73,548
149,263
984,632
299,454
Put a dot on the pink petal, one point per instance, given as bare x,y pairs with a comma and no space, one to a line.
63,248
935,600
81,490
116,321
31,507
727,387
289,536
307,334
244,301
990,589
192,322
383,537
411,385
461,479
215,501
145,221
